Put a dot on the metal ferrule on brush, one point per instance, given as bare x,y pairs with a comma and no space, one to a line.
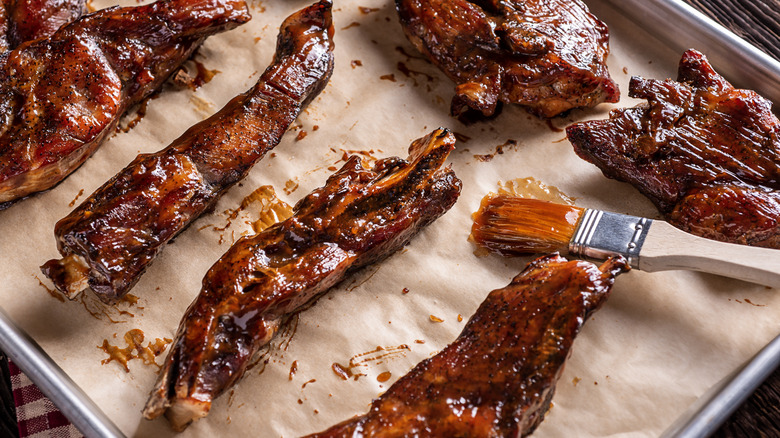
601,234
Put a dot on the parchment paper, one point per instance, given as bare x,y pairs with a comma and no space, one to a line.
659,342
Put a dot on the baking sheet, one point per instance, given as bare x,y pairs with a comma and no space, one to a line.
659,342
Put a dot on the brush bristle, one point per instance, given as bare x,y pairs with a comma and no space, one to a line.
511,225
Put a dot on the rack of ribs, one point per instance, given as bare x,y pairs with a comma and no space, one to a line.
360,216
547,55
109,240
707,154
60,97
498,377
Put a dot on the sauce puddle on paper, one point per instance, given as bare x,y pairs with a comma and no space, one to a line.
532,188
266,210
193,75
135,350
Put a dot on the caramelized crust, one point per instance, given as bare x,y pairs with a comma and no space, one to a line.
27,20
548,55
121,228
498,377
359,217
61,96
707,154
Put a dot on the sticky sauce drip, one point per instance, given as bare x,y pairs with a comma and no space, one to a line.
134,350
193,75
52,292
500,149
272,209
384,377
530,187
112,313
135,115
363,361
290,186
78,195
340,370
368,157
413,74
260,209
293,370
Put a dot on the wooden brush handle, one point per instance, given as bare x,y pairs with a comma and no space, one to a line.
667,248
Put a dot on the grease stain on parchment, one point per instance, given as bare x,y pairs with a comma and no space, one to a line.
134,349
257,211
359,364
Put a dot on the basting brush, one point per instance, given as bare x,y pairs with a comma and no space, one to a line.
511,225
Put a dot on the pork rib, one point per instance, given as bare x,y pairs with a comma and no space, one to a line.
547,55
359,217
27,20
498,377
707,154
111,238
61,96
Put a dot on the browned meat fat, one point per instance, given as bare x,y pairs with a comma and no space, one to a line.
498,377
707,154
115,234
360,216
547,55
61,96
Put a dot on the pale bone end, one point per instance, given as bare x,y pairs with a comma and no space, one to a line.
179,412
69,274
183,412
179,408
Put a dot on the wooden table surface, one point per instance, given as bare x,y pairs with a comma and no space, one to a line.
757,21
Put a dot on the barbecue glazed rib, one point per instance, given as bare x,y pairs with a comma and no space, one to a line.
112,237
61,96
498,377
548,55
27,20
707,154
359,217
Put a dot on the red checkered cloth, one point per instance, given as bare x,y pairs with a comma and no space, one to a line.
36,415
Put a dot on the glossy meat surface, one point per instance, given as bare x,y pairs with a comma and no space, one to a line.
360,216
61,96
27,20
548,55
112,237
707,154
498,377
